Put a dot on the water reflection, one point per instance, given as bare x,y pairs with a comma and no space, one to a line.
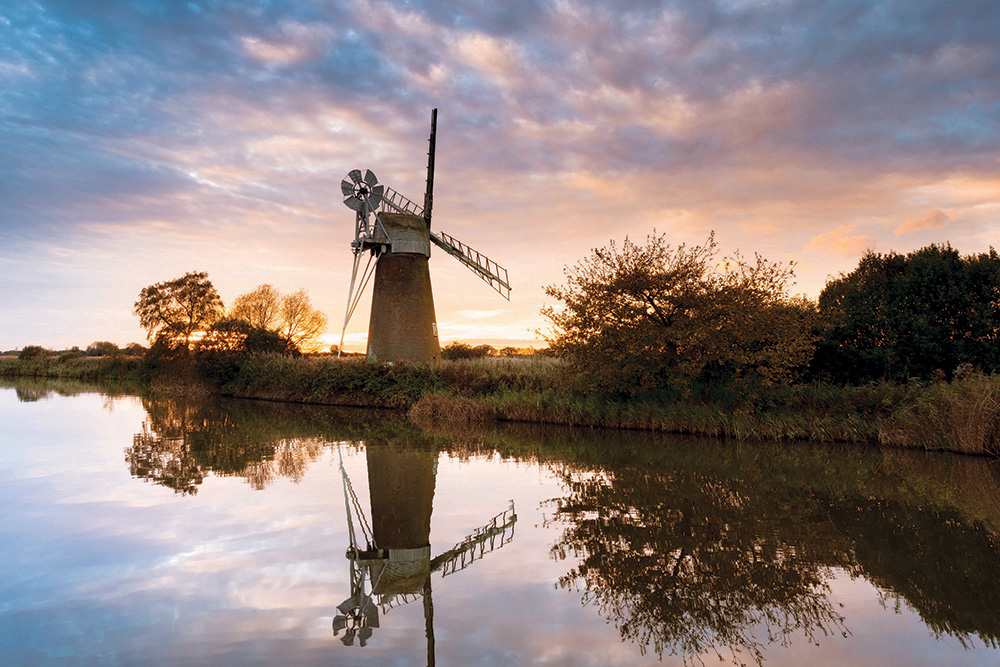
688,547
727,550
390,556
182,439
32,390
689,564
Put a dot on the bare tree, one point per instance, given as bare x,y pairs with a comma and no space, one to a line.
260,308
301,324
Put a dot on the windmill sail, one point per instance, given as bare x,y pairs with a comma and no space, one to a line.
492,273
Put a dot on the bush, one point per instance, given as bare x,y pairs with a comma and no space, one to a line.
464,351
653,316
135,350
102,348
34,352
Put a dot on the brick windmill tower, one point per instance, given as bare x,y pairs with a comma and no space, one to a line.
396,235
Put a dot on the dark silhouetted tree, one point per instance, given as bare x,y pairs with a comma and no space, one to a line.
172,311
901,316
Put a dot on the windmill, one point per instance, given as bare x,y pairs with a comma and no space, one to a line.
395,232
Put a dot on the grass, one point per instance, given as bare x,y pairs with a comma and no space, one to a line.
960,416
116,368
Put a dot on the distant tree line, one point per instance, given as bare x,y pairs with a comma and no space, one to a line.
651,317
458,350
99,348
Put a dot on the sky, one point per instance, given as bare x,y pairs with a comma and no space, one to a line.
142,140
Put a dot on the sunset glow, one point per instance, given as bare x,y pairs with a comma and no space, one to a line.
140,141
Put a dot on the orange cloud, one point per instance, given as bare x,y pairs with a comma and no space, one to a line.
934,219
842,241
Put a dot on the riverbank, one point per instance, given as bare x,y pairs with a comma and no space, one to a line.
960,416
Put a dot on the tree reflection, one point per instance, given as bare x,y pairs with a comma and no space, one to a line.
164,460
183,439
698,548
689,564
689,547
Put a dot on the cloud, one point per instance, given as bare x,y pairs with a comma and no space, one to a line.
933,219
812,125
842,241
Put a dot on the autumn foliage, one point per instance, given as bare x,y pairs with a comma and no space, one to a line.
654,316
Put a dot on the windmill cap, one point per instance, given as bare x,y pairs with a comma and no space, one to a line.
407,233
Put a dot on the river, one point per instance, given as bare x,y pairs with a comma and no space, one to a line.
170,531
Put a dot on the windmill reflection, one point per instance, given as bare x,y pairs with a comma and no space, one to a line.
390,557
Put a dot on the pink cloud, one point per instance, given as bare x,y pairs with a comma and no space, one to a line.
933,219
842,241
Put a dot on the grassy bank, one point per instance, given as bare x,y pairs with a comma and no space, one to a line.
100,369
962,415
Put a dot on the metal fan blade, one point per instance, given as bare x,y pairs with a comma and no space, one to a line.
355,175
375,196
353,203
346,188
370,178
371,615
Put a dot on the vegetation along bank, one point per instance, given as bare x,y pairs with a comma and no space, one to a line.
902,351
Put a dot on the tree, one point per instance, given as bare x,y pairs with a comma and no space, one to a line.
654,316
458,350
301,325
901,316
172,311
34,352
274,320
260,308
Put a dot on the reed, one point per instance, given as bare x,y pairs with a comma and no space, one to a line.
961,416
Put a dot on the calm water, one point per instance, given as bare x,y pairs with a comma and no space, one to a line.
217,532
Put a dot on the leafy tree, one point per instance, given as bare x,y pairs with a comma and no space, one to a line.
654,316
135,350
172,311
900,316
33,352
234,335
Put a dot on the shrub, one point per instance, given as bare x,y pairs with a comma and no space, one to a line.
653,316
465,351
33,352
102,348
